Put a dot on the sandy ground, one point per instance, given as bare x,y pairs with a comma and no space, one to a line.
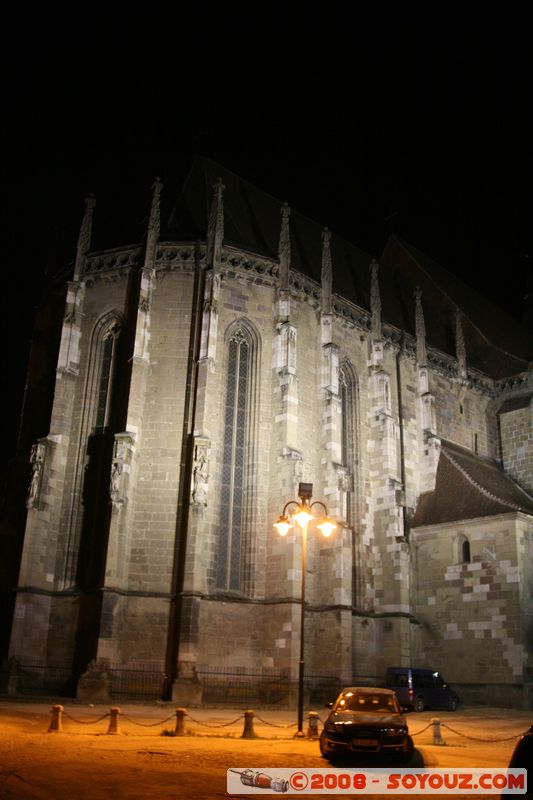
140,762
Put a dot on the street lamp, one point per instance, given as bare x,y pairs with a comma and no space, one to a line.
303,517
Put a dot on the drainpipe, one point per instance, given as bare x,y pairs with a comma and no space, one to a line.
187,453
402,443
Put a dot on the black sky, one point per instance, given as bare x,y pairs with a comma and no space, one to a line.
431,141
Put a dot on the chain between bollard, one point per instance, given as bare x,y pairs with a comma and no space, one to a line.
437,726
58,712
275,724
486,741
417,733
147,724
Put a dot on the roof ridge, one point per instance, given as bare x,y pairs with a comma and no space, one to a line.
409,248
295,211
478,486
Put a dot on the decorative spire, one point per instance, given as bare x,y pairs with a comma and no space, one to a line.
460,349
326,275
284,249
84,239
154,224
375,301
215,229
420,328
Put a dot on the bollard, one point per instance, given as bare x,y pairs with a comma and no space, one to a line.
248,732
312,730
181,713
113,722
437,736
56,723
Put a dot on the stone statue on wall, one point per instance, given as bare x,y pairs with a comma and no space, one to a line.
116,488
200,474
37,462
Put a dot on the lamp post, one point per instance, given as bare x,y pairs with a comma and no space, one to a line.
303,516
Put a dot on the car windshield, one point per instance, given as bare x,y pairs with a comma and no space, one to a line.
381,703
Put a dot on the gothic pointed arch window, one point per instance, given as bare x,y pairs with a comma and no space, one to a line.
106,362
89,516
348,454
349,461
233,564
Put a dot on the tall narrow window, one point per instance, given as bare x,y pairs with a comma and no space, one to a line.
347,393
232,548
101,419
98,459
105,377
347,435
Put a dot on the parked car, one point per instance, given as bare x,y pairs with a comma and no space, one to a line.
364,719
421,688
523,757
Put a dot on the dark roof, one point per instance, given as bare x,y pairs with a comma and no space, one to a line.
252,221
495,343
469,486
515,403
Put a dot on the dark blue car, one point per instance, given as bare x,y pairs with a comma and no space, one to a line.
421,688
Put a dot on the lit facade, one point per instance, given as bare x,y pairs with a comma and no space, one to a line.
199,379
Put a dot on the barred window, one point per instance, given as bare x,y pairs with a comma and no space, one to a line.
231,559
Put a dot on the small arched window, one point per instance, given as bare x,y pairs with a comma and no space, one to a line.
466,551
463,550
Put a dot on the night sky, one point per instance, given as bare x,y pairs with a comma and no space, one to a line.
432,143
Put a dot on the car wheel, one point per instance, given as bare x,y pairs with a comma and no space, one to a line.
453,704
322,742
418,705
407,754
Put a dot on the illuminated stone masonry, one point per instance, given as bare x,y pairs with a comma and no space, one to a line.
201,378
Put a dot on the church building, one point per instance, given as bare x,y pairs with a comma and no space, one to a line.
205,373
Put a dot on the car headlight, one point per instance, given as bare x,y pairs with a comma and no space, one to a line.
395,731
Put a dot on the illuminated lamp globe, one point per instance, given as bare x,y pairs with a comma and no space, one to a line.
282,525
327,527
302,517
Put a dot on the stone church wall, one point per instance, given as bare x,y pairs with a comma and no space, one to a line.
525,567
469,613
378,594
516,428
463,416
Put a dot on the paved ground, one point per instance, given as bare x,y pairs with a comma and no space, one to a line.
140,762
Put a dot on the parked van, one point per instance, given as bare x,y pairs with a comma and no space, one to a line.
420,688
